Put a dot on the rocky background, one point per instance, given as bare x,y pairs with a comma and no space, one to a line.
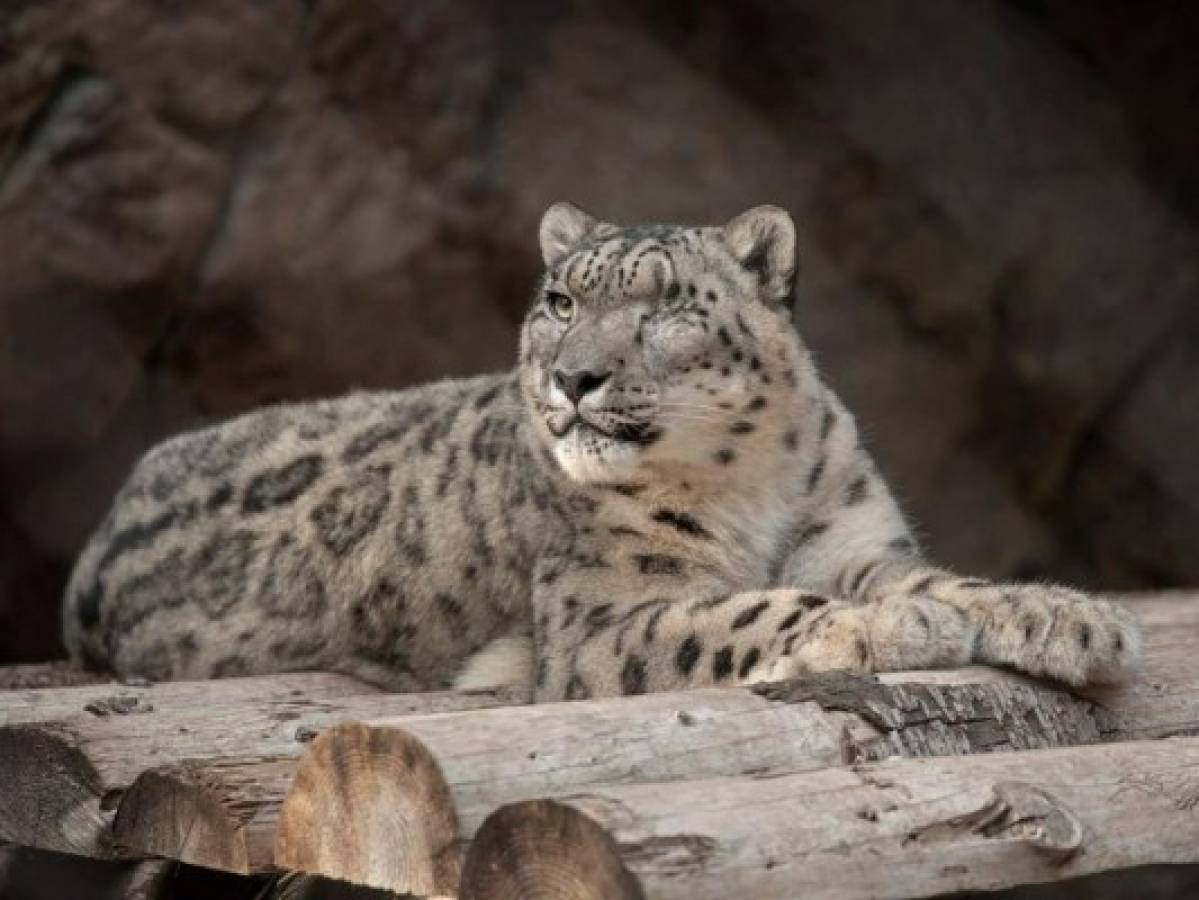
208,206
205,207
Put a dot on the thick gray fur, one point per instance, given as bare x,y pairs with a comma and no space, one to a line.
704,513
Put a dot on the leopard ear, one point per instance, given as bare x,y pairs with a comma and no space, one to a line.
763,241
562,227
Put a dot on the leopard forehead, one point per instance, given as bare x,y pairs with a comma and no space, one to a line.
617,264
660,291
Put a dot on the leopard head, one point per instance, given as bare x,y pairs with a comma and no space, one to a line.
658,347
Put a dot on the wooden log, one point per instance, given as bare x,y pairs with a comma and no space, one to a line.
61,673
192,812
64,779
500,756
925,826
370,806
496,756
1161,701
909,827
113,698
491,758
542,850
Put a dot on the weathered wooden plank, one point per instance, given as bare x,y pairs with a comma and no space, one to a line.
517,753
496,756
1161,701
916,719
236,764
58,674
500,756
915,827
64,778
114,698
909,827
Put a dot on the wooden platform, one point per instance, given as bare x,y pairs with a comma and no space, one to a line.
840,786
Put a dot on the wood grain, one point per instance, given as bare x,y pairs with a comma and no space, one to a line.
503,755
542,850
203,780
66,777
113,699
370,806
909,827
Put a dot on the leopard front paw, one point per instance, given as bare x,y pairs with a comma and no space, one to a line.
919,633
838,639
1060,634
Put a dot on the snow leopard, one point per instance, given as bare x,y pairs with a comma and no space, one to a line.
662,494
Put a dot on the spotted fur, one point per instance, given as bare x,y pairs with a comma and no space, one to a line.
662,494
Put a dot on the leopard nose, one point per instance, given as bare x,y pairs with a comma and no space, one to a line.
578,384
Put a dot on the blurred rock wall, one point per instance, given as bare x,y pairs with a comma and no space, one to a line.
205,207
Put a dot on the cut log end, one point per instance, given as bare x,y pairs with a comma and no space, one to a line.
51,792
180,813
542,849
370,806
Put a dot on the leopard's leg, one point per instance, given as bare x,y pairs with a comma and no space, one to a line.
899,634
856,545
598,635
1041,629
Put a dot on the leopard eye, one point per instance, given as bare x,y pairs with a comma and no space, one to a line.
562,306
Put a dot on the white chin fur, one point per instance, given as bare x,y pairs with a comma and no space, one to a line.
592,459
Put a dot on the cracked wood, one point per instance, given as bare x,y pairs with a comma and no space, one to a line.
925,826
